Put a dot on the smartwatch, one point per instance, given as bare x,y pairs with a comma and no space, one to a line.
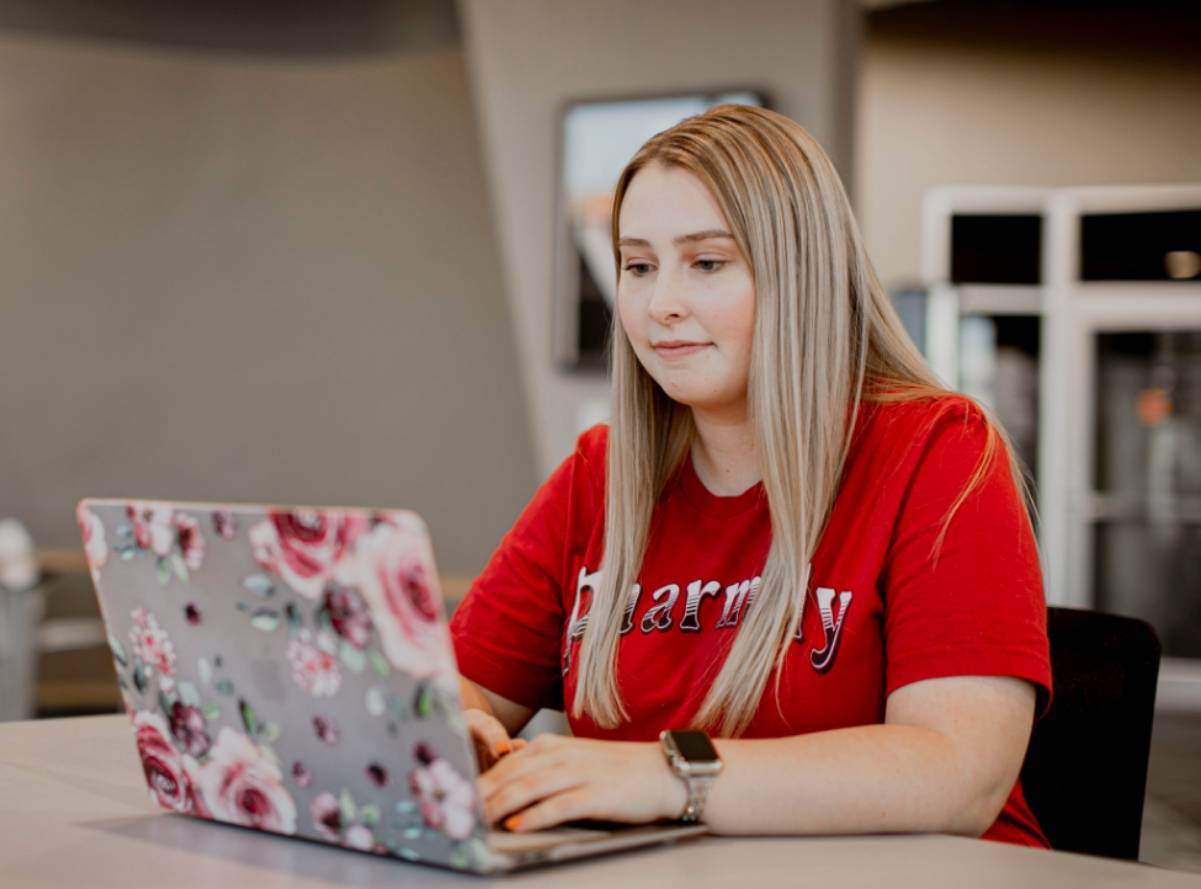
693,758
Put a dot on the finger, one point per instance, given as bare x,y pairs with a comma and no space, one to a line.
566,806
524,792
483,756
515,744
489,730
528,758
489,737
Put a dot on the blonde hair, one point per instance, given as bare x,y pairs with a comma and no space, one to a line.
826,337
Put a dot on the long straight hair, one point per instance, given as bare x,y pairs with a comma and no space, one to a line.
826,338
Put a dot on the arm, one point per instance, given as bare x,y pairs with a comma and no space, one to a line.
511,715
945,760
491,722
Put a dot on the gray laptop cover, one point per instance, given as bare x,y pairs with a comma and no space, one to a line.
290,670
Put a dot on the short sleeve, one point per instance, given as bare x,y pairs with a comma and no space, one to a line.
974,606
508,629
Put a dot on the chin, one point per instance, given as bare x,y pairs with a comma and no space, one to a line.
682,394
688,397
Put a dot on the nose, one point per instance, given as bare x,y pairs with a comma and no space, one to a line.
666,305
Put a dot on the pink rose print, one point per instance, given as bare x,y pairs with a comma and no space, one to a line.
378,774
359,837
159,529
326,730
327,816
92,531
314,669
304,547
188,728
404,605
151,643
152,526
191,544
302,773
348,614
446,798
171,777
242,785
225,524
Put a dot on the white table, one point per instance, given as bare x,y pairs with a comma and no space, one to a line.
74,812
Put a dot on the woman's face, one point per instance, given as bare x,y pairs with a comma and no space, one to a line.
685,294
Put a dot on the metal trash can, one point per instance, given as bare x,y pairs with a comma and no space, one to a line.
21,614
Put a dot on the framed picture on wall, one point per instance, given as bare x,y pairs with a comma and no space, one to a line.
597,137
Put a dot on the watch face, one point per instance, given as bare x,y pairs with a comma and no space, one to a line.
695,746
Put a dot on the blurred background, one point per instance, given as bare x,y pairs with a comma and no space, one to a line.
347,253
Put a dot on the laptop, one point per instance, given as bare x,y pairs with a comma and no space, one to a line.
291,670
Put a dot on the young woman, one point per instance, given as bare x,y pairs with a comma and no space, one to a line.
790,537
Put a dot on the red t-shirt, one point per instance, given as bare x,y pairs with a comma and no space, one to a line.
879,614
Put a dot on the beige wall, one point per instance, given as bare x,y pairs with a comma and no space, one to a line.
992,93
528,57
277,279
265,280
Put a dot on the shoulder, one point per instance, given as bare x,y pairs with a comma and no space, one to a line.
586,463
926,412
934,442
916,425
593,443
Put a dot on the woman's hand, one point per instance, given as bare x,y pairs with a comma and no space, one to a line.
491,740
556,779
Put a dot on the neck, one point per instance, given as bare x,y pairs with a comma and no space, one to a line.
724,454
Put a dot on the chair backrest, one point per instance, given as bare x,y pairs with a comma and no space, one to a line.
1085,773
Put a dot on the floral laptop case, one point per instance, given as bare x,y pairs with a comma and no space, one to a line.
291,670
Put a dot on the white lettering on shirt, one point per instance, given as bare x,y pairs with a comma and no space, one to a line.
739,597
659,617
822,658
578,622
692,605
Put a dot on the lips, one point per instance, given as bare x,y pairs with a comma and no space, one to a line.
678,348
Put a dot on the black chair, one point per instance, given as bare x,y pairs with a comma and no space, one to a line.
1085,773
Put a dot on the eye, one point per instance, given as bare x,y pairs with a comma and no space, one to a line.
709,265
638,269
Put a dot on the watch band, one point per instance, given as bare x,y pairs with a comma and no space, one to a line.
698,793
698,775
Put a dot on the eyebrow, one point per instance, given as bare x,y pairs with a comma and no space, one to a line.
682,239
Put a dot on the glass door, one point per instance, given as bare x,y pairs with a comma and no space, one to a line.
998,365
1146,512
